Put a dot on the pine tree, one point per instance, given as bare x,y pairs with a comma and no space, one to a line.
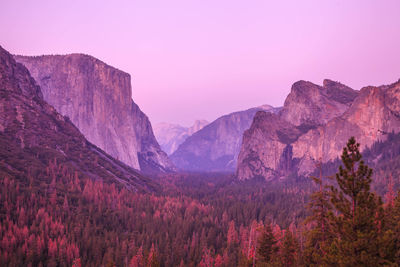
267,245
232,234
320,235
355,219
391,239
289,250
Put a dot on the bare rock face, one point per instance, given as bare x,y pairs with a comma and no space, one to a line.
98,100
369,119
170,136
216,146
322,119
266,150
197,126
309,104
35,138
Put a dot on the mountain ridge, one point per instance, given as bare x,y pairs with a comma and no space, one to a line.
36,139
326,121
98,99
216,146
170,136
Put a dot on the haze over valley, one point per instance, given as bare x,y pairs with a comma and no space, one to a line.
189,133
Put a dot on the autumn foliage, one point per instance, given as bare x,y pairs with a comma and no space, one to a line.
64,219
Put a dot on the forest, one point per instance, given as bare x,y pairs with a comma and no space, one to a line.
58,217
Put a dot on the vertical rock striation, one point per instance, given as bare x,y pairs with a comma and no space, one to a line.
267,147
310,105
36,140
98,100
216,146
317,121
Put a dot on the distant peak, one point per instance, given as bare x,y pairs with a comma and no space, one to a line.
197,126
328,82
301,86
201,122
303,83
266,107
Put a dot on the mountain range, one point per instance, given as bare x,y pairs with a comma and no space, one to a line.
216,146
170,136
314,125
267,142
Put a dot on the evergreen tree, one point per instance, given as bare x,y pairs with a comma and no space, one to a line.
289,250
320,235
356,215
391,238
267,245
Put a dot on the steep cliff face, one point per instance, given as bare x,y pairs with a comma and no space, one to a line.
170,136
35,139
266,147
310,105
325,118
369,119
216,146
98,100
197,126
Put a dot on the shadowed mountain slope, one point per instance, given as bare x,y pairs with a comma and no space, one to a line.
98,100
36,141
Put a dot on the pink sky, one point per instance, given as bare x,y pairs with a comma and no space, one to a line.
200,59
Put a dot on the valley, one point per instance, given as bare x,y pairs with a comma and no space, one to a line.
85,180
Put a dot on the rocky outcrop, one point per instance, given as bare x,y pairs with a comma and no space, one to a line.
216,146
268,147
197,126
325,117
170,136
98,100
310,105
369,119
38,143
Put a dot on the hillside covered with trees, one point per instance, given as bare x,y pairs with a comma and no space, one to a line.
64,219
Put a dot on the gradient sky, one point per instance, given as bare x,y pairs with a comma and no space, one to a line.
200,59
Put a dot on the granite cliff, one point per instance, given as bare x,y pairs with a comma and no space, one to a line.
98,100
314,125
267,144
369,119
170,136
216,146
38,143
310,105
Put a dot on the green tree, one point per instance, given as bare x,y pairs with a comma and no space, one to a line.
320,235
267,245
391,239
289,250
356,214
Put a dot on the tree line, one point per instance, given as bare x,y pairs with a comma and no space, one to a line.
63,219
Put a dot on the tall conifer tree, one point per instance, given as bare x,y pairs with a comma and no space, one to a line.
267,245
355,219
320,235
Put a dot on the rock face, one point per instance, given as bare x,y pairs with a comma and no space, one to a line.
35,139
197,126
216,146
309,104
268,146
368,119
318,121
98,100
170,136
